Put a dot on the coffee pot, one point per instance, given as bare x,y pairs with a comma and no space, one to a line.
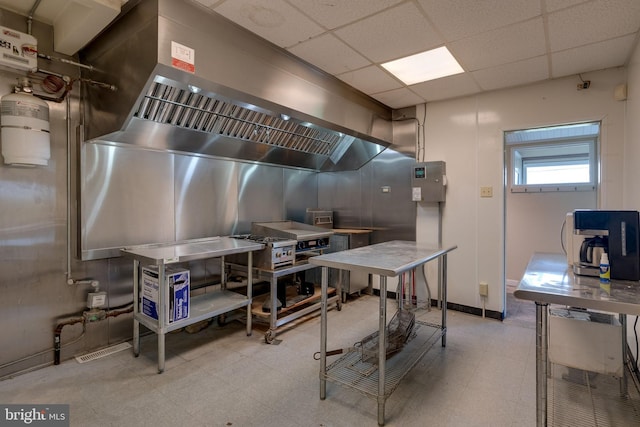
592,249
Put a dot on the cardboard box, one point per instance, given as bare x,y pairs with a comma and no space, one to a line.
177,280
587,340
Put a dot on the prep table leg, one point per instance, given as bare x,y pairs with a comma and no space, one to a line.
136,308
382,349
323,332
160,352
249,289
163,311
443,286
623,379
542,353
271,333
136,338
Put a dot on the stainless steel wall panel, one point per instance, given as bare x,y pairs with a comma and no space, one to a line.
357,198
260,196
394,214
342,193
366,200
127,197
206,197
300,193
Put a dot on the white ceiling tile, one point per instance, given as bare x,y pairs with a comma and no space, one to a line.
501,46
457,19
592,22
370,80
398,98
391,34
333,14
598,56
273,20
513,74
446,87
330,54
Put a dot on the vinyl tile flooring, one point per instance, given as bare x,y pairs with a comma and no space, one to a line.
485,376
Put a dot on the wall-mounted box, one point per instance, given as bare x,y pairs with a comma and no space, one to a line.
428,182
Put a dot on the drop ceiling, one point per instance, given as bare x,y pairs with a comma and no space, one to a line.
499,43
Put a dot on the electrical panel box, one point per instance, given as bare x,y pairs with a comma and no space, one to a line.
428,182
18,50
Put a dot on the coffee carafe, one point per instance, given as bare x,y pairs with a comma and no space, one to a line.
592,249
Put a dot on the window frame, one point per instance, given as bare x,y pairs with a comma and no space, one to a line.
566,147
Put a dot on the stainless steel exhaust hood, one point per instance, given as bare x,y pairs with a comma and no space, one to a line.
236,96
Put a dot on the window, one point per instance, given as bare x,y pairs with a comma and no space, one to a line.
559,158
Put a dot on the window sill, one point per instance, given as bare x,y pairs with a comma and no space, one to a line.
552,188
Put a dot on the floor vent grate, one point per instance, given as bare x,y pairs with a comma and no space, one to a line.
103,353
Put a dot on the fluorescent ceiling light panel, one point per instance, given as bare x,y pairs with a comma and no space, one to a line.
421,67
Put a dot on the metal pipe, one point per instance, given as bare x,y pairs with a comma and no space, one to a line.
56,336
66,61
68,123
57,346
30,16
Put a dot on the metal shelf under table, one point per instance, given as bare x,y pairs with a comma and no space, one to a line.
351,371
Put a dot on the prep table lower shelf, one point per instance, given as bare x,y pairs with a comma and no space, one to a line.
285,315
351,371
301,306
202,307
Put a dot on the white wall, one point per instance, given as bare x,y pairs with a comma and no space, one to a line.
467,133
534,224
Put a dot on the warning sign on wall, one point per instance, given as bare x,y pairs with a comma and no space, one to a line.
183,57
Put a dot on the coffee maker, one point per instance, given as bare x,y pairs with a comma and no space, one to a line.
613,232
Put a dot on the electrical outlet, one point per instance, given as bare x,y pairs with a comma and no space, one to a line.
486,191
484,289
584,85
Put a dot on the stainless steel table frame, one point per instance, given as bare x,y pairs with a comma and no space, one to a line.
385,259
549,280
275,319
202,306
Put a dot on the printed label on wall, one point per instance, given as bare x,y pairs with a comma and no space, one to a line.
183,57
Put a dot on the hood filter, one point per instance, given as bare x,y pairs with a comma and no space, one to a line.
188,109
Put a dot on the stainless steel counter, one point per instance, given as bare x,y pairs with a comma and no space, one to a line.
213,247
386,259
548,280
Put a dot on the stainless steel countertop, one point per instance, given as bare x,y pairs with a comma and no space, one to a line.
386,259
548,279
191,250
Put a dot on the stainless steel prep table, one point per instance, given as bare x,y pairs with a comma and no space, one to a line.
548,280
386,259
202,306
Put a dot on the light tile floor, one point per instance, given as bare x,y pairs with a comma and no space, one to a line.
485,376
